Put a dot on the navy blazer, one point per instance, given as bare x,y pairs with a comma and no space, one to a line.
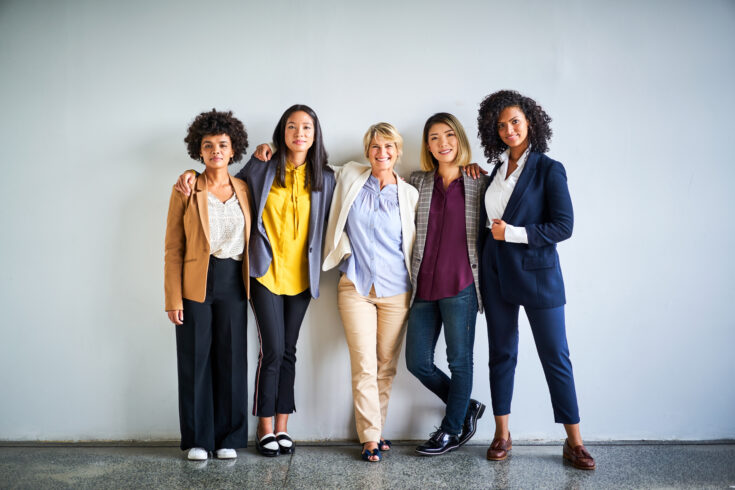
530,274
259,176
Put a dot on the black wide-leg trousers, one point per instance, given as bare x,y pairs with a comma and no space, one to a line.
211,352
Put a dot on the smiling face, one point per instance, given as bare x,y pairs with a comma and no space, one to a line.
299,134
513,128
442,142
382,154
216,150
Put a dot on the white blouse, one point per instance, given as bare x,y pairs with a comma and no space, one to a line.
498,194
226,227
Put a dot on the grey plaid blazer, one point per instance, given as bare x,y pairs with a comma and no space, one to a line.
474,192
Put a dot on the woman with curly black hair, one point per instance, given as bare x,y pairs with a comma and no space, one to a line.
206,290
528,211
291,198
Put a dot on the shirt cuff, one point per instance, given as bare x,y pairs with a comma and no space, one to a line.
515,234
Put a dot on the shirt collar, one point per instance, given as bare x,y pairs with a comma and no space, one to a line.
439,177
290,167
505,156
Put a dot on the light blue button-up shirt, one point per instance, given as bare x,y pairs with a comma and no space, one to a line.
374,229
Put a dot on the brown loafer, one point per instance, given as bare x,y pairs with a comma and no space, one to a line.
578,457
498,450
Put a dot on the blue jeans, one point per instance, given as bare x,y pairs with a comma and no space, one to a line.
458,314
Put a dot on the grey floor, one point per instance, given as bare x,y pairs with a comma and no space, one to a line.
619,465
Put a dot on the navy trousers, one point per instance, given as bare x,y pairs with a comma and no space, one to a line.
549,333
211,353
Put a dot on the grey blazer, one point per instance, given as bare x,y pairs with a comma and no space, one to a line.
474,192
259,176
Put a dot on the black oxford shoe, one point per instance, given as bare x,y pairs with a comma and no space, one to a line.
439,443
474,412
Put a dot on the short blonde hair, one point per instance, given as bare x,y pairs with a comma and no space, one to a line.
464,153
386,131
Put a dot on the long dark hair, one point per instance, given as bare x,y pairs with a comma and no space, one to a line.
316,157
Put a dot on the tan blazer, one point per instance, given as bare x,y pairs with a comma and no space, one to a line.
187,243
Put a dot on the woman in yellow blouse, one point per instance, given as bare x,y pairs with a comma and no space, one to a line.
291,198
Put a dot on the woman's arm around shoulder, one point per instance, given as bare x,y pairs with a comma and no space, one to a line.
416,177
244,172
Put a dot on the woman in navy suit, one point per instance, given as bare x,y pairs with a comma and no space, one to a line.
527,212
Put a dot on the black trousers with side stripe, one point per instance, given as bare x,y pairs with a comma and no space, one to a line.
278,318
211,352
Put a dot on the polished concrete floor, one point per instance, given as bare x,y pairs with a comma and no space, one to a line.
619,465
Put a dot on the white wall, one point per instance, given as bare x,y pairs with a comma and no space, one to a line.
95,98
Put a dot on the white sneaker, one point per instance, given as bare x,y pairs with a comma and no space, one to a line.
226,453
197,454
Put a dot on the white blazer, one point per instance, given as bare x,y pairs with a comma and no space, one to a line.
351,177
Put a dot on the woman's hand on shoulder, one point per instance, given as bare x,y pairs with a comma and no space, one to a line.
474,170
176,316
263,152
185,182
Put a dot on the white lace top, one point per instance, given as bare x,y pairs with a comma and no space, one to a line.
226,227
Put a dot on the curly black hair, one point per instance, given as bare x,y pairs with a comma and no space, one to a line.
212,123
539,131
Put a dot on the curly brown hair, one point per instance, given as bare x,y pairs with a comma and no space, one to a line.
212,123
539,131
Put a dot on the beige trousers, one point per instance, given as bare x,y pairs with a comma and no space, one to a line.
374,328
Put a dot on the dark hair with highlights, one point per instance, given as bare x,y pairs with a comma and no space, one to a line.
316,156
539,131
214,123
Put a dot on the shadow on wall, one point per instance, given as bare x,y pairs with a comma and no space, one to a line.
148,344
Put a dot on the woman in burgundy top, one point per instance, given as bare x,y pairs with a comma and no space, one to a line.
445,279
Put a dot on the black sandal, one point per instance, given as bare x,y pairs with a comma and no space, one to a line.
285,448
261,443
367,454
384,442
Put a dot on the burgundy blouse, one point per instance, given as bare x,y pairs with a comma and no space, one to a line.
445,268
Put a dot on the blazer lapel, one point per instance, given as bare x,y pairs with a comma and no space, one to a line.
521,186
422,214
201,197
470,199
268,178
349,197
242,197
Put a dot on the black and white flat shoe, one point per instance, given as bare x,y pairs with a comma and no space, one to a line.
267,445
285,443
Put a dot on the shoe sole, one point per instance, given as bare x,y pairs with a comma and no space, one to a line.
569,460
268,454
507,453
225,457
479,416
437,454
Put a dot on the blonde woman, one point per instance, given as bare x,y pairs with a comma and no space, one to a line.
445,279
370,235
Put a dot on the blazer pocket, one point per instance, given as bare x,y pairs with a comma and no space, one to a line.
531,263
186,261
